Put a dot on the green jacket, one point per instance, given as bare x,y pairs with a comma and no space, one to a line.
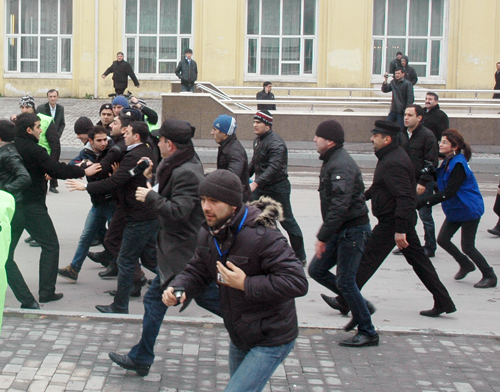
44,124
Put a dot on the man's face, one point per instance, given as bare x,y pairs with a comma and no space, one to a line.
53,97
106,116
216,212
399,56
398,74
379,141
411,118
219,136
116,127
188,55
268,88
498,67
165,147
403,62
259,128
99,143
27,109
83,137
119,57
322,145
117,109
129,137
430,102
36,131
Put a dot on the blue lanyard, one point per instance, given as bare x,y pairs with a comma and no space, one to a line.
239,228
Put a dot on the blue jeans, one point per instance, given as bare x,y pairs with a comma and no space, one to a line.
154,312
250,370
96,219
425,214
137,238
345,250
398,118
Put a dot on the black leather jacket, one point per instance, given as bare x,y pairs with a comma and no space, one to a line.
269,161
14,177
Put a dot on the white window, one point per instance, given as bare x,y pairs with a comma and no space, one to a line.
157,32
281,38
38,36
415,28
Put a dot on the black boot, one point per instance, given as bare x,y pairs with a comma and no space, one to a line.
489,280
103,257
495,230
109,272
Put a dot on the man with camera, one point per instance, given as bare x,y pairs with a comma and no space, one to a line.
421,146
402,96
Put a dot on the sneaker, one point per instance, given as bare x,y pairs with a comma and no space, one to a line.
68,273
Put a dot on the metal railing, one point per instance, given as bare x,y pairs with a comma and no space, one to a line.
222,96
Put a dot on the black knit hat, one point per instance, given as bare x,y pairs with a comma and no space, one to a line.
83,125
331,130
224,186
105,106
176,131
386,128
264,117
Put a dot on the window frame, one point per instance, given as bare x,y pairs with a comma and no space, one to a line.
136,36
301,78
443,39
18,74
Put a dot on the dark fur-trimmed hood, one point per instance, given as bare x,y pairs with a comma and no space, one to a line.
272,211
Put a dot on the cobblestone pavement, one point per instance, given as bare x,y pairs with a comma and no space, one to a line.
60,353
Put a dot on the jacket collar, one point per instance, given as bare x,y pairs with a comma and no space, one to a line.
26,135
416,130
326,156
228,139
434,109
262,137
387,149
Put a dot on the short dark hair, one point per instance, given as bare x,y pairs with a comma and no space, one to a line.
399,53
399,69
187,50
96,130
436,97
7,130
25,121
52,90
126,120
418,109
267,84
120,53
140,128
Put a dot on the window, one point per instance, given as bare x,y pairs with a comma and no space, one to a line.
156,33
281,38
39,36
415,28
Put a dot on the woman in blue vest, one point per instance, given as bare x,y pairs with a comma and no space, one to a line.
462,205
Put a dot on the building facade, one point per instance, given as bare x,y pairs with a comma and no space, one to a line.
68,44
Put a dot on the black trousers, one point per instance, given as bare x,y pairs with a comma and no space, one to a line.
381,244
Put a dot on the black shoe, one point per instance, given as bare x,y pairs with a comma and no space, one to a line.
494,231
360,341
487,282
32,305
109,272
436,312
96,242
463,271
136,293
397,251
353,324
34,244
335,304
100,257
29,239
109,309
429,253
53,189
125,362
52,297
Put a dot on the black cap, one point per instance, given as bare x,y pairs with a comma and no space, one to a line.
331,130
176,131
386,128
106,106
224,186
136,114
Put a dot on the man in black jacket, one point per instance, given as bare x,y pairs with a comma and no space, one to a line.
106,116
14,178
53,109
410,73
139,233
269,164
231,155
265,95
187,71
258,275
402,96
38,223
121,70
434,118
421,146
345,230
396,63
393,204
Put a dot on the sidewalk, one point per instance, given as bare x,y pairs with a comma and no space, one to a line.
44,351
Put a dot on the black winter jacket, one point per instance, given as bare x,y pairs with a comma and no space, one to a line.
59,120
126,185
261,95
264,314
187,73
436,120
14,177
410,73
421,146
38,163
233,157
341,192
402,94
269,161
121,71
392,192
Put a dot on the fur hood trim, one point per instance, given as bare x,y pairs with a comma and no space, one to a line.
272,211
